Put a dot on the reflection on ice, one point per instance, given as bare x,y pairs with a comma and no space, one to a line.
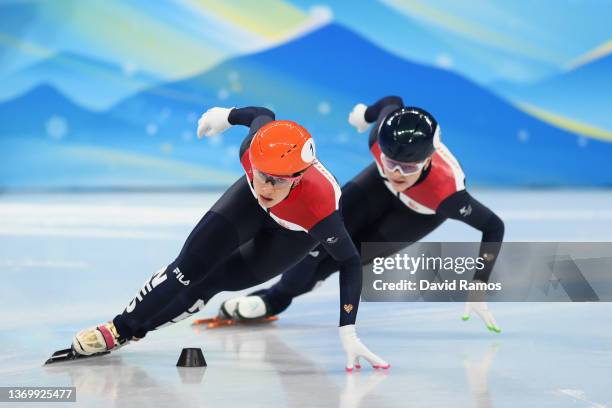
304,381
126,385
191,375
477,372
68,264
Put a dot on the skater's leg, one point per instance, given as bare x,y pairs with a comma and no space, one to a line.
214,236
161,288
233,273
266,267
268,254
300,279
217,235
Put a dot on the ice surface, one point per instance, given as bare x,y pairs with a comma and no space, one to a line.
71,261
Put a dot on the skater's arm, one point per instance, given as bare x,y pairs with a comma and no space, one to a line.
373,112
217,120
332,234
253,117
250,116
362,116
463,207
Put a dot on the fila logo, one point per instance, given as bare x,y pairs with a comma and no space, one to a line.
331,240
180,276
465,210
149,285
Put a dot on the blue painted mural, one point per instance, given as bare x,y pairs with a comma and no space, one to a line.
108,93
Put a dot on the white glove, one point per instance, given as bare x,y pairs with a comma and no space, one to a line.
357,118
482,310
354,348
213,122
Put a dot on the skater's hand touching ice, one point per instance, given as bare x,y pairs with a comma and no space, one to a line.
355,349
213,122
357,118
476,303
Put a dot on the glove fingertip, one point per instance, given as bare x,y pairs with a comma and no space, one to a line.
384,366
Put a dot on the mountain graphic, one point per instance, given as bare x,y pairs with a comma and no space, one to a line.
583,94
30,113
47,141
317,79
90,82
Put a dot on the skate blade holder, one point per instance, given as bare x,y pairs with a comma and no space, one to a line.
215,322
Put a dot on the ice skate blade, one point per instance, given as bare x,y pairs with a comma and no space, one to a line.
69,355
215,322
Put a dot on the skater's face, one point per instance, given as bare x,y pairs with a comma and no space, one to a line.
271,190
401,181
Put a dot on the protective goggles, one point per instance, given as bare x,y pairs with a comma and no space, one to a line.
404,168
277,181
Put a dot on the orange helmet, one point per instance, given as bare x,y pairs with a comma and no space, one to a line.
282,148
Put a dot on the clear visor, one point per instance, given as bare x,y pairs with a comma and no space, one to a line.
275,180
405,168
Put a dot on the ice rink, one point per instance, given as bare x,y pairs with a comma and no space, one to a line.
70,261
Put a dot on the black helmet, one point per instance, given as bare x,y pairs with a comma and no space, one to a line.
408,135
